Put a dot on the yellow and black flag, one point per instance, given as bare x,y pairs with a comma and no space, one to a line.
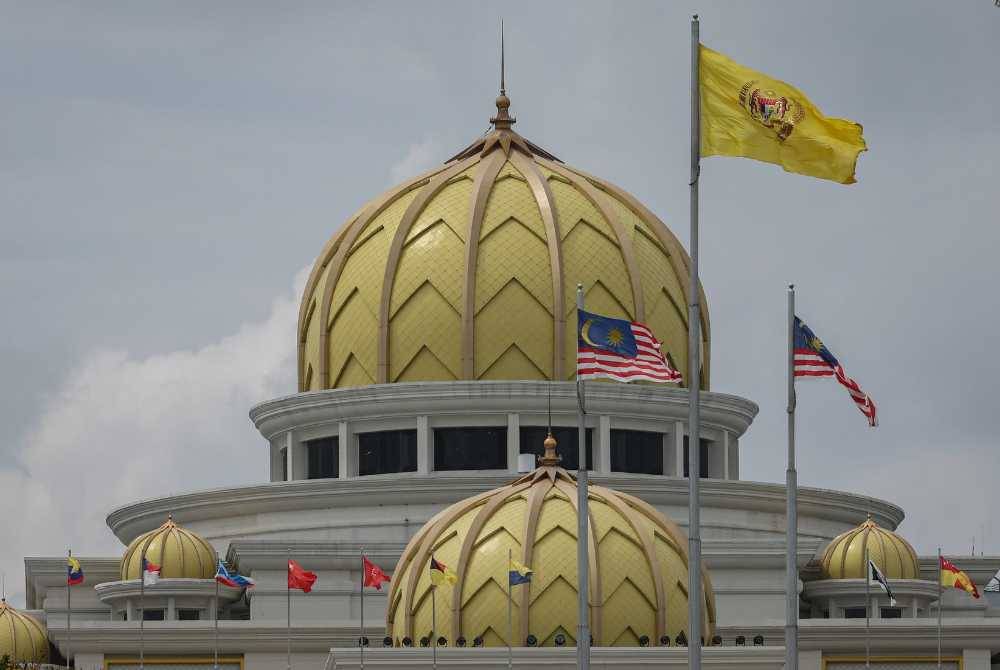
747,113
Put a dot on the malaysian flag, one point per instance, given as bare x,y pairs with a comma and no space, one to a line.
813,359
625,351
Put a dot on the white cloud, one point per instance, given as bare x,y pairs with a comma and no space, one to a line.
121,428
419,156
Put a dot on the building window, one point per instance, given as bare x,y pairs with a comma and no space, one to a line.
387,451
854,613
152,615
892,613
188,615
470,448
702,457
637,451
283,467
533,439
324,458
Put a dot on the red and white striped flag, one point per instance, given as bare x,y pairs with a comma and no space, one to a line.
625,351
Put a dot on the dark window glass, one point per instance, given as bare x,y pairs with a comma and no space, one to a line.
470,448
892,613
702,457
387,451
283,468
533,438
854,612
324,458
188,615
152,615
637,451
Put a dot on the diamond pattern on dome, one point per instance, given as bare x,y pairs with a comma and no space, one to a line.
350,339
512,251
574,208
512,198
673,571
616,549
508,170
530,333
436,256
451,205
548,607
486,609
427,321
589,257
626,610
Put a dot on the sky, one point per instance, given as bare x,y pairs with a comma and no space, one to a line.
169,171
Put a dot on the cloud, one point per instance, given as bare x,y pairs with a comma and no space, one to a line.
419,156
121,428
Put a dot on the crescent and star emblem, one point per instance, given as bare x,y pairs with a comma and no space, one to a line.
585,333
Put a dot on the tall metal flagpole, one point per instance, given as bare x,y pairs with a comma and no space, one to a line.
288,610
940,596
434,635
69,610
868,609
582,562
362,640
694,374
215,616
142,606
792,510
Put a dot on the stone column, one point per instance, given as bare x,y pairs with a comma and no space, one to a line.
425,450
975,659
513,441
603,447
347,454
679,448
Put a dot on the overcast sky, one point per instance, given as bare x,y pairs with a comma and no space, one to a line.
168,170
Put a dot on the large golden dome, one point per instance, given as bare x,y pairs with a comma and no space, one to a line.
22,637
844,557
638,568
179,553
469,272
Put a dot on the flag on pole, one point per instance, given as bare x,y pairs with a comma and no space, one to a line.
374,576
813,359
952,576
300,578
74,572
150,572
617,349
749,114
877,576
442,573
232,579
519,573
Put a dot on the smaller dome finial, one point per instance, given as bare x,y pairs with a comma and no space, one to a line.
550,457
503,120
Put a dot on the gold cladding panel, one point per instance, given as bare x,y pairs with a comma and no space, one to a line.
590,258
574,207
512,323
487,610
451,205
627,609
616,549
513,253
512,197
23,633
426,324
178,552
674,572
312,330
353,344
549,610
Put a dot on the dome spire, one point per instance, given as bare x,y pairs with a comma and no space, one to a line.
503,120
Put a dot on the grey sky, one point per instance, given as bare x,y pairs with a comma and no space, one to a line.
167,170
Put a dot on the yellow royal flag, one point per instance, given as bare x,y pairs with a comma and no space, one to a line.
746,113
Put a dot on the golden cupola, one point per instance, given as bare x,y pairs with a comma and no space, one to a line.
22,637
638,567
179,553
469,271
844,557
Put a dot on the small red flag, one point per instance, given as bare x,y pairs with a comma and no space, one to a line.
373,574
298,578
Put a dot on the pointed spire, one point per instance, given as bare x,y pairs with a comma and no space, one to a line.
503,120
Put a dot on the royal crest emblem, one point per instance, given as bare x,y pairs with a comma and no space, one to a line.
777,112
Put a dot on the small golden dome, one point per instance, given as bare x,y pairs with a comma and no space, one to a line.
638,568
844,557
179,553
470,270
22,637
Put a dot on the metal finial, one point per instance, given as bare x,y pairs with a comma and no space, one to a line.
550,457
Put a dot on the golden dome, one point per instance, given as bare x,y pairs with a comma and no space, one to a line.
638,567
22,637
844,557
469,271
179,553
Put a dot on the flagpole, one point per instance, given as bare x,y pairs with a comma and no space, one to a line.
69,610
868,608
288,610
142,606
362,640
434,636
510,618
940,595
694,373
582,562
792,512
216,632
